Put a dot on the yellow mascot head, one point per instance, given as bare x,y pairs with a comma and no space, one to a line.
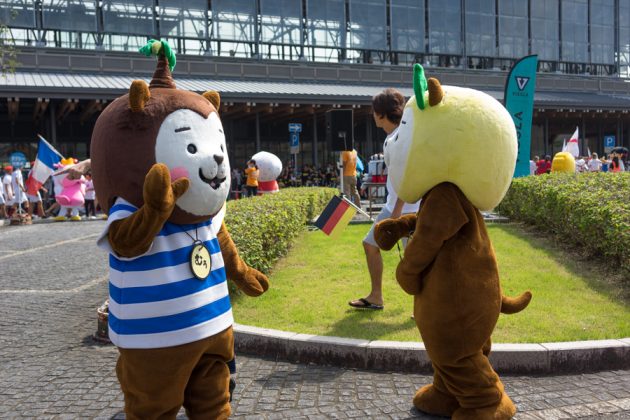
452,134
563,162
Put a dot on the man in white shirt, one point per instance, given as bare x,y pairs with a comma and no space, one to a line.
6,185
594,164
19,192
388,108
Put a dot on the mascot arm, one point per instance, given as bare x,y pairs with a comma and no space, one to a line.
251,281
441,216
389,231
133,235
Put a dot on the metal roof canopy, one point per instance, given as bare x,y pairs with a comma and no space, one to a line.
103,86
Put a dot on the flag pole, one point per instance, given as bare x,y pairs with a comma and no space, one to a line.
359,209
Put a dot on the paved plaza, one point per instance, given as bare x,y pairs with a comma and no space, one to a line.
52,279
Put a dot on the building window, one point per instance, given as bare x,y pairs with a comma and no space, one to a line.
513,37
368,25
624,39
326,25
545,24
234,27
602,31
407,26
445,27
575,31
480,28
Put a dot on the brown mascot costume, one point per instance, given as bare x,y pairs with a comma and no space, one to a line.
161,171
455,149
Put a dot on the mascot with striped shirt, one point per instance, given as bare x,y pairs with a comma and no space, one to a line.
161,170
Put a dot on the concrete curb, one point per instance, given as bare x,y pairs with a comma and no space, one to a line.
567,357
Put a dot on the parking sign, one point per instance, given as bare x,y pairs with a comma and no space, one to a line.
609,143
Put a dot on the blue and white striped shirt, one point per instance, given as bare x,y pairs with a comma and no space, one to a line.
154,299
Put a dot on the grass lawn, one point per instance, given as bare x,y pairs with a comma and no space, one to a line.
311,287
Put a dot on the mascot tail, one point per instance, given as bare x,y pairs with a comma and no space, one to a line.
511,305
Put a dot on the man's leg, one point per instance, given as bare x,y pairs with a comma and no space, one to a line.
375,268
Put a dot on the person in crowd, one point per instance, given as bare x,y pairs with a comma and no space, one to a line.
3,200
7,189
19,192
615,164
252,178
533,165
349,163
388,109
594,164
90,197
237,182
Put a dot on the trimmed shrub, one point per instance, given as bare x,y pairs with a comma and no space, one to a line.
264,227
591,210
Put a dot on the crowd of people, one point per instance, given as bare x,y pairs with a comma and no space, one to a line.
15,199
616,161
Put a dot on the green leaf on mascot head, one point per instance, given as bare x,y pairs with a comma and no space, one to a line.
419,85
155,47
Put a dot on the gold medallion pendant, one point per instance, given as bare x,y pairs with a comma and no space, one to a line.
200,262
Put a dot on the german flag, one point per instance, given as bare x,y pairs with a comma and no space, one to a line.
336,216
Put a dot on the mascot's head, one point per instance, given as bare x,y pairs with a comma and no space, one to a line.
452,134
563,162
269,166
159,123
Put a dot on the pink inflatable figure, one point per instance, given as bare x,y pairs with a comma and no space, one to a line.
71,195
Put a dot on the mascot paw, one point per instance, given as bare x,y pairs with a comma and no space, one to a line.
387,233
254,283
159,193
504,410
430,400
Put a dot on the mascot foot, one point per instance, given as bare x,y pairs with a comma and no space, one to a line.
432,401
75,218
503,411
61,218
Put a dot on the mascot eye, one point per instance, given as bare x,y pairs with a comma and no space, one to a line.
192,149
403,122
395,138
222,149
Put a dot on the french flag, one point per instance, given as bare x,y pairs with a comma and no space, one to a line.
47,157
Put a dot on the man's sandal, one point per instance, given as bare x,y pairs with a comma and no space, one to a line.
365,304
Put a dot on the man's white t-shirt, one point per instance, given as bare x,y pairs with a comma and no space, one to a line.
594,165
6,186
392,197
17,183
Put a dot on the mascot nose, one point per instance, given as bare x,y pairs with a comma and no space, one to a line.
218,159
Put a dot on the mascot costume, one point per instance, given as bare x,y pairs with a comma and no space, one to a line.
161,171
269,169
455,149
71,195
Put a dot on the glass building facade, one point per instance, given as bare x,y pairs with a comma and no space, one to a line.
589,37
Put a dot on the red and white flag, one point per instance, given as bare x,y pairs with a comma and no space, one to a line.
47,156
572,146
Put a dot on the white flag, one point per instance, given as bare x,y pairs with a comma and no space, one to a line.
572,145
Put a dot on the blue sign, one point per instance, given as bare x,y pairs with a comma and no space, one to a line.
609,141
519,101
294,142
295,127
18,159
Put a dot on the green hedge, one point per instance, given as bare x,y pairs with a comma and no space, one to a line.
264,227
591,210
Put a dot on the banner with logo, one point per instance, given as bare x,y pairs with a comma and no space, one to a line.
519,101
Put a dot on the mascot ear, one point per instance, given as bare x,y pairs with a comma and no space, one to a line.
435,91
213,97
138,95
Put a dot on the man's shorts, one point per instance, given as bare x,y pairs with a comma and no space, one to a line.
34,198
369,238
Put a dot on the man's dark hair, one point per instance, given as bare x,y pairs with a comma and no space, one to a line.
390,104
